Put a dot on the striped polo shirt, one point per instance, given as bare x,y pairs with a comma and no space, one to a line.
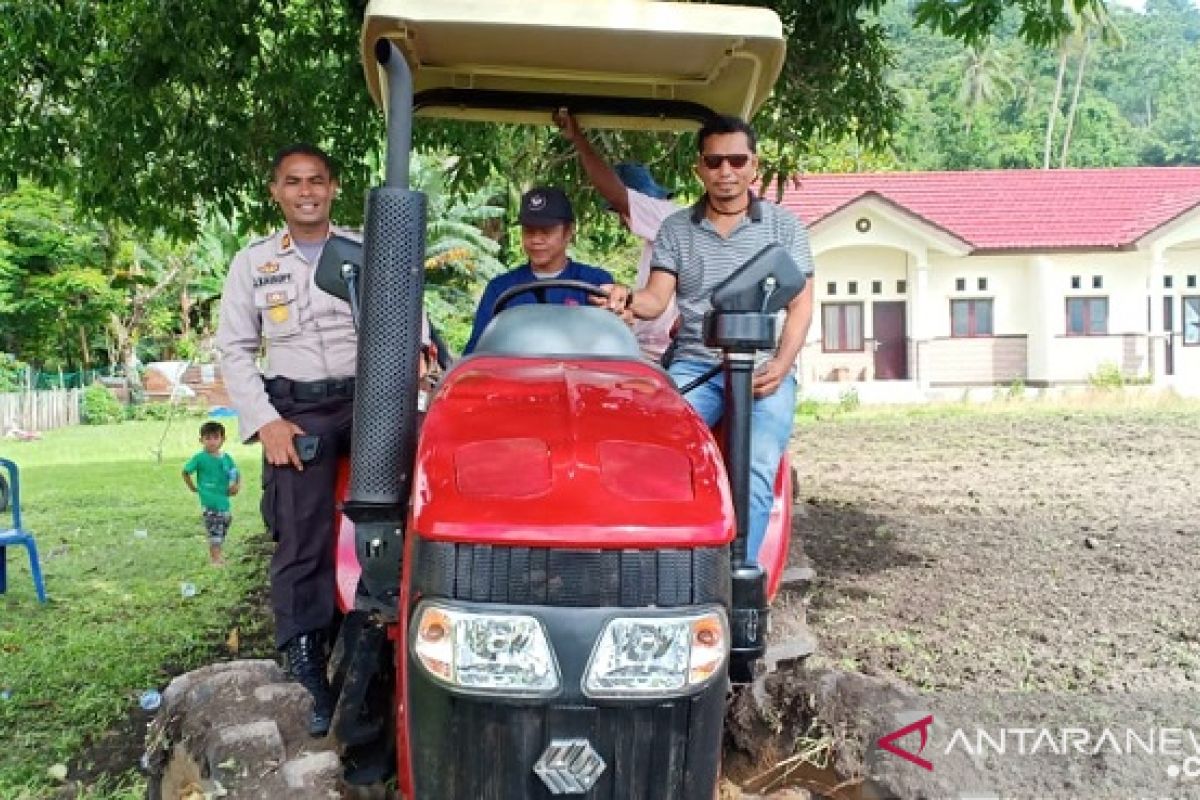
690,248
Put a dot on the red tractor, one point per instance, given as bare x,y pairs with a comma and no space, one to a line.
545,587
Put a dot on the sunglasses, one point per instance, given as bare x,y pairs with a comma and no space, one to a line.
736,160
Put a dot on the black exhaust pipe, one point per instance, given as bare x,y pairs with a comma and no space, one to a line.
385,402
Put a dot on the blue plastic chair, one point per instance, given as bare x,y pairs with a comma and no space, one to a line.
17,535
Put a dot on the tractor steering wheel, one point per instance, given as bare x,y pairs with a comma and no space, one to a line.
550,283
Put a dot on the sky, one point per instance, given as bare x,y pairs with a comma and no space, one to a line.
1139,4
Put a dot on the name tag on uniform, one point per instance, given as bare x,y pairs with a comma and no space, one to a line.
273,280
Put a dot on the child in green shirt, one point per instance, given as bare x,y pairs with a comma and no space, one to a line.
216,480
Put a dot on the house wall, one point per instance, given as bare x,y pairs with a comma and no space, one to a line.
1183,268
981,361
874,240
1077,358
817,365
1007,287
864,265
1029,305
1123,278
889,230
1029,301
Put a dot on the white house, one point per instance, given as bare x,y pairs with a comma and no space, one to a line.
985,278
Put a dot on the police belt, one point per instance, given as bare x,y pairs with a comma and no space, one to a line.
310,391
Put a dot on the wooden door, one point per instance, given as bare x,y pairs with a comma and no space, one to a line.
891,343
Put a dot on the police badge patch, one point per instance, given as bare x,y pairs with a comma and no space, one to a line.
277,310
269,267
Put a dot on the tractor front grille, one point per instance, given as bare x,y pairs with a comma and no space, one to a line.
472,748
573,578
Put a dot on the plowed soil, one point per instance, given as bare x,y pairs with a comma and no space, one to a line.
1017,548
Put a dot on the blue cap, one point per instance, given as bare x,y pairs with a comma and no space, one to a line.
635,176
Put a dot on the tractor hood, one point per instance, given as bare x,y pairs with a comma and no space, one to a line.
615,63
536,452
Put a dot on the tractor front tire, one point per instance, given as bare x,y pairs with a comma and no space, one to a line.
238,730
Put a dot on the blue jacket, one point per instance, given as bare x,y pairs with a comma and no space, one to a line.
524,274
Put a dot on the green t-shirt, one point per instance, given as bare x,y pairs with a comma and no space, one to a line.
213,476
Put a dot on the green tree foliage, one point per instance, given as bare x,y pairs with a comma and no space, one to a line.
148,110
77,295
1041,22
459,256
12,373
1175,129
1136,103
201,281
56,297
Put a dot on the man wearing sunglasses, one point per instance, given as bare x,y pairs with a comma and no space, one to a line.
630,191
696,249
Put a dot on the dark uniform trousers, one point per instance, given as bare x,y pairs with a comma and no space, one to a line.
298,508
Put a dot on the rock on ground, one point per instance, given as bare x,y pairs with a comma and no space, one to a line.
238,730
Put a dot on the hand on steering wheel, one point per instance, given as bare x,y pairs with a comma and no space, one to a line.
507,295
617,298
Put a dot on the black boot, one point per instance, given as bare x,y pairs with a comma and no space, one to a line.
306,664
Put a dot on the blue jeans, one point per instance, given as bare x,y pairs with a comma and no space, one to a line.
770,429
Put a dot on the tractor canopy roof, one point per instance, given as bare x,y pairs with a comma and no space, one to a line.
636,64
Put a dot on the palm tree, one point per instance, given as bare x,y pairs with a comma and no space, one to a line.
1082,27
1085,51
459,254
207,262
1054,104
986,77
1094,22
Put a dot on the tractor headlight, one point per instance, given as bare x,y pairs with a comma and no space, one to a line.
656,655
506,654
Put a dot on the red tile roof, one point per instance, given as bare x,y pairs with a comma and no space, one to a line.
1018,209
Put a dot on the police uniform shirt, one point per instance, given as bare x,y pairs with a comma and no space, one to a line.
270,302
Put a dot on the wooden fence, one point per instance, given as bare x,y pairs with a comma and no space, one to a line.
40,410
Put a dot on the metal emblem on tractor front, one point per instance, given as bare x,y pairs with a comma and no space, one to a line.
569,766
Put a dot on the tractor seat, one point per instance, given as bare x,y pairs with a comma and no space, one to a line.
556,330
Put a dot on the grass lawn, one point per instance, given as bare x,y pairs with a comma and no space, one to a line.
118,534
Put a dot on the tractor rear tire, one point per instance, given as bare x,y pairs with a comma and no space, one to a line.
238,730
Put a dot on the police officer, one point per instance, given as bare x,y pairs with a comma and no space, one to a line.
300,403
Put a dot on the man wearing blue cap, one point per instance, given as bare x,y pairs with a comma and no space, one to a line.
547,225
643,205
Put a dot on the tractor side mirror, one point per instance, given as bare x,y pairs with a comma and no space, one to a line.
339,266
765,284
338,270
